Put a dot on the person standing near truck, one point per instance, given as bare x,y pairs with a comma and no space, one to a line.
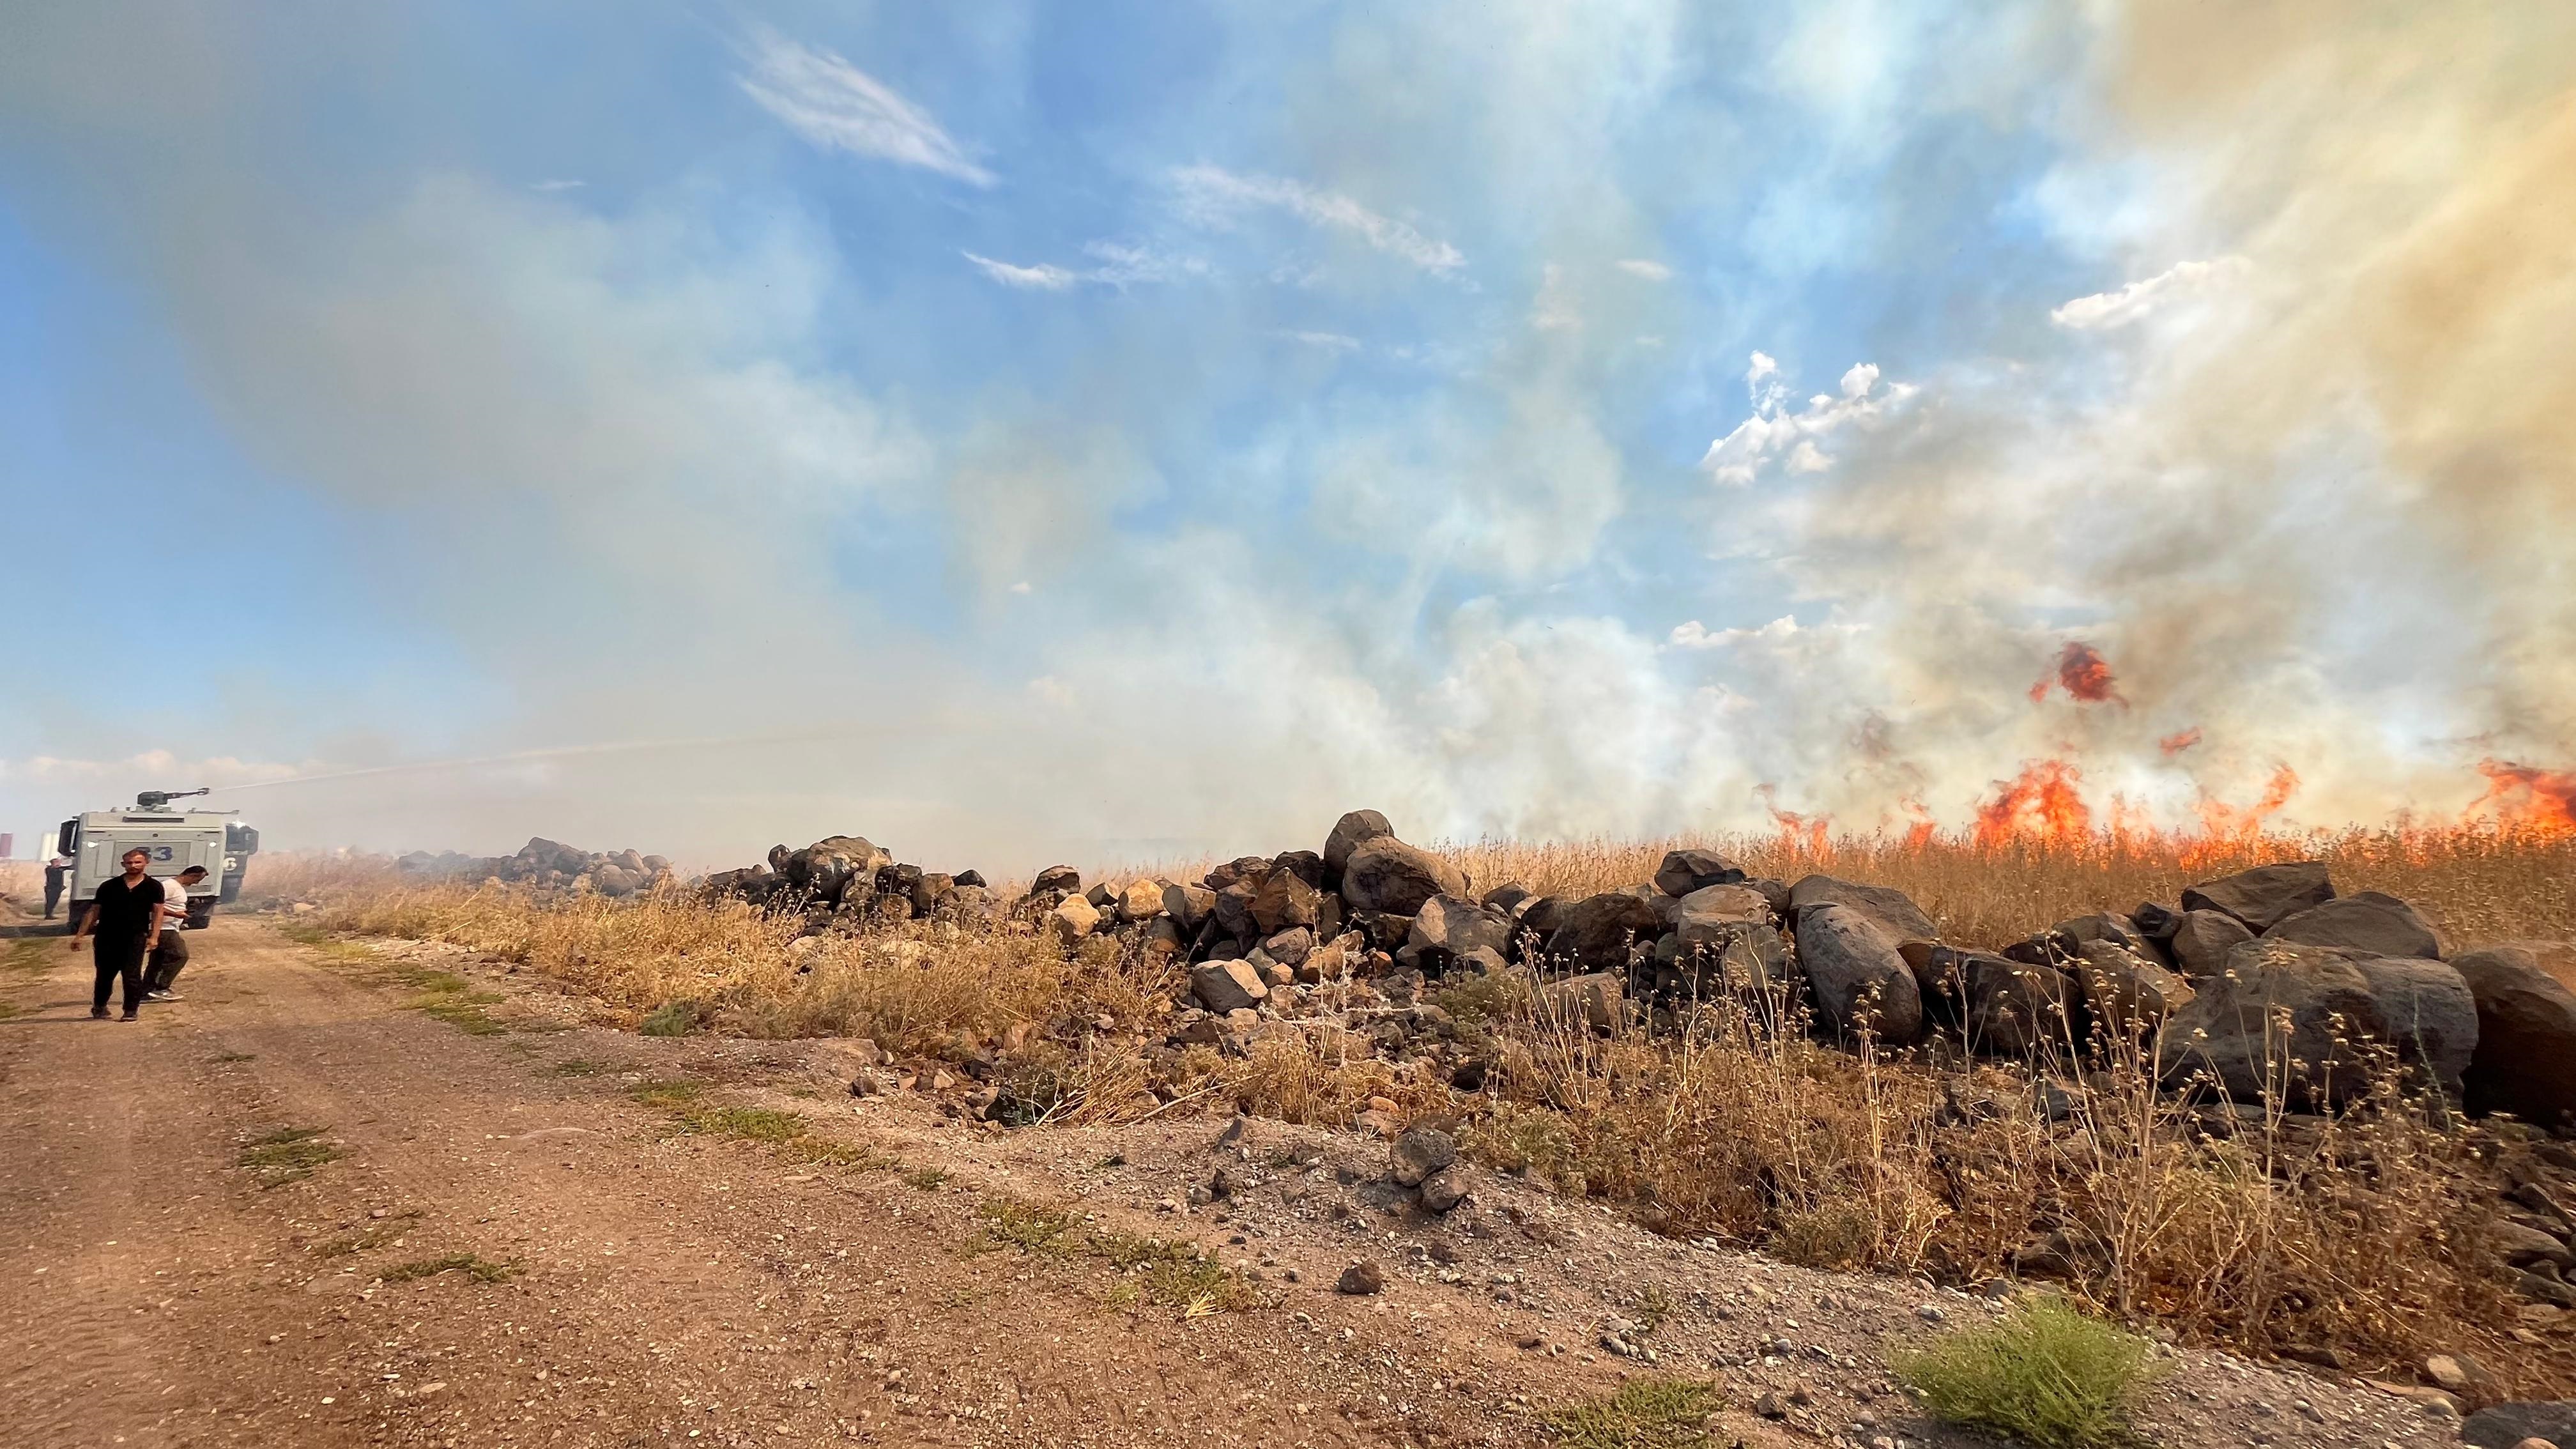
169,957
57,870
126,915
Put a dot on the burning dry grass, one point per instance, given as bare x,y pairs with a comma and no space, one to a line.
2476,884
2361,1235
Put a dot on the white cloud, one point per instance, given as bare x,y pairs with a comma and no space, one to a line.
1212,195
1120,266
1692,634
557,185
1042,277
837,106
1652,271
1773,431
1329,341
2105,310
1122,263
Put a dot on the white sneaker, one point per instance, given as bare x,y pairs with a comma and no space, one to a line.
163,996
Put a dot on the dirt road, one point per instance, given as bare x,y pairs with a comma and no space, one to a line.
160,1293
297,1209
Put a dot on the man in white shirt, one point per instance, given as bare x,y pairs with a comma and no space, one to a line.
170,953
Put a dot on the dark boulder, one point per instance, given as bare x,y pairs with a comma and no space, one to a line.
2125,994
1351,832
1685,871
1714,915
1896,916
1385,874
1859,979
1061,878
1597,933
1448,927
2372,923
1234,909
2504,1426
2200,944
1188,905
1284,899
1245,869
2339,1006
1306,865
1540,916
2265,896
2525,1062
825,869
2156,922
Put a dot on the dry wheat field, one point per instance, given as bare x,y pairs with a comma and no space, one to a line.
2357,1239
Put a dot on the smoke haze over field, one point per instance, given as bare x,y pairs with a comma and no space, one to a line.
1019,433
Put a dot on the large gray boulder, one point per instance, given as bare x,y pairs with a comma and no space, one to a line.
2504,1426
1224,986
1685,871
1188,905
1859,979
1385,874
2126,994
2337,1007
1448,927
2526,1057
2200,944
2266,895
1351,832
1895,915
1714,915
1597,932
2372,923
825,869
1593,1001
1995,1003
1750,958
1056,878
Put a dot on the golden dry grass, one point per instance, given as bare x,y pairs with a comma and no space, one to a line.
2476,885
2361,1234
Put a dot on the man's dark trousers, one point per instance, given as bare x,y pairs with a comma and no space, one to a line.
53,889
117,956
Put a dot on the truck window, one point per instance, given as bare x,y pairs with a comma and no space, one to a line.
64,841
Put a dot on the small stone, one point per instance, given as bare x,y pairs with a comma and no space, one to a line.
1445,1189
1420,1152
1929,1312
1361,1278
1771,1405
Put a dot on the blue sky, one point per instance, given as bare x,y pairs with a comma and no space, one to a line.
1017,430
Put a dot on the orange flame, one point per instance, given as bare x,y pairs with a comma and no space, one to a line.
2175,744
2043,803
2529,800
1918,833
2083,673
2224,828
1797,832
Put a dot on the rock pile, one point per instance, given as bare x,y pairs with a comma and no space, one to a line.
546,864
2267,976
845,879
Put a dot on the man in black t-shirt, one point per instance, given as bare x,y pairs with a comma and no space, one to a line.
127,918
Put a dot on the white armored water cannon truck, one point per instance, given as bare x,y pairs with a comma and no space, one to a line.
175,839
